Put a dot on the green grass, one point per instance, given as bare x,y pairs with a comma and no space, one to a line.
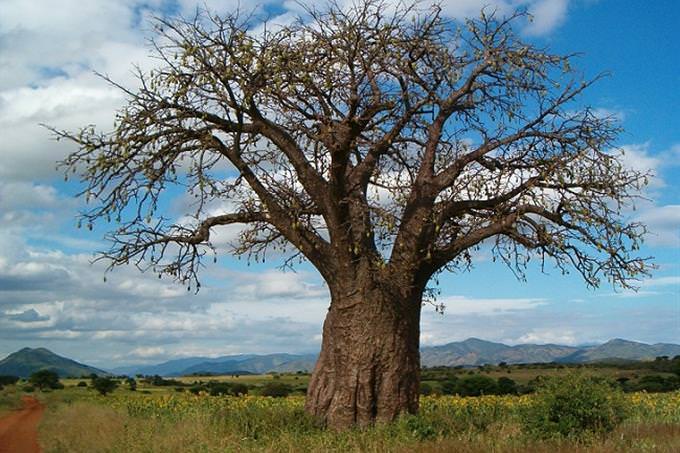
79,420
10,398
160,419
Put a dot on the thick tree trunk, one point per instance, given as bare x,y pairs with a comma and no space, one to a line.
369,366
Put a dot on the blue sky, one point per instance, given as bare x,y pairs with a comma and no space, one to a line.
51,296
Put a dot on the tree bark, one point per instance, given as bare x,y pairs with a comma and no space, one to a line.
369,366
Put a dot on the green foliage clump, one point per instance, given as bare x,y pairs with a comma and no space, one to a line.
8,380
575,406
45,379
219,388
277,389
104,385
238,389
425,389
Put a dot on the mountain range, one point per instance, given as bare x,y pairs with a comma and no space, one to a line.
471,352
474,351
230,364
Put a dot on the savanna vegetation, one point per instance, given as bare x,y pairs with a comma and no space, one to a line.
569,409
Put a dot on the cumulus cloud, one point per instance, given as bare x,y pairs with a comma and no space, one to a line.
547,15
663,223
544,336
639,157
29,315
462,305
51,296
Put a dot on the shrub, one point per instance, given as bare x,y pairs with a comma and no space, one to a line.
425,389
239,389
82,384
278,389
8,380
449,387
44,379
575,406
28,388
476,386
657,383
506,386
219,388
104,385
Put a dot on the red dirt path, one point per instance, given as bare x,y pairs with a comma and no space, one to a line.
19,429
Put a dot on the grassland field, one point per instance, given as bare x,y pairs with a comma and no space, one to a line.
163,419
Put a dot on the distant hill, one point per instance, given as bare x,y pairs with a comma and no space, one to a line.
474,351
623,349
173,367
27,361
239,364
471,352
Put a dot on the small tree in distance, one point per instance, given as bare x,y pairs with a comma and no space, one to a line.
104,384
381,143
45,379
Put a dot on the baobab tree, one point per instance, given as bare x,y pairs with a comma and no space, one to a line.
383,144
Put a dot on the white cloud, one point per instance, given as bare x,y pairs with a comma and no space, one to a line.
462,305
543,336
22,195
662,281
616,114
638,157
547,15
663,223
148,352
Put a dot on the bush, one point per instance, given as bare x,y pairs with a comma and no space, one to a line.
278,389
82,384
656,383
219,388
104,385
575,406
8,380
506,386
239,389
476,386
425,389
45,379
449,387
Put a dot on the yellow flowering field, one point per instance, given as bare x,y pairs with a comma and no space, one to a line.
644,406
183,422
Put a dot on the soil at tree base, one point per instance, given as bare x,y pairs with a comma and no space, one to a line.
19,430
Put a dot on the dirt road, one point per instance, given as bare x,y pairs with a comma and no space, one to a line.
19,429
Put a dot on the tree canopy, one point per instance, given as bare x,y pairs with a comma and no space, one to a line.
361,132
